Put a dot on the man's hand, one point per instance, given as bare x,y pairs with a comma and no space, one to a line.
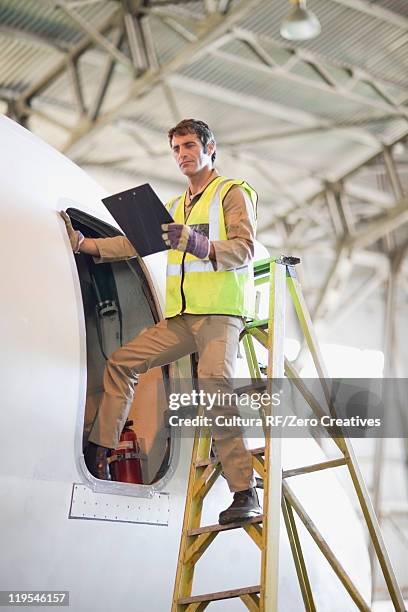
76,238
183,238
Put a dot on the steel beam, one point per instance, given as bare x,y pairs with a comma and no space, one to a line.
96,36
334,211
76,86
389,371
396,217
153,62
365,161
346,213
61,66
135,37
36,112
17,113
392,173
381,199
210,6
224,5
105,78
337,275
177,27
213,27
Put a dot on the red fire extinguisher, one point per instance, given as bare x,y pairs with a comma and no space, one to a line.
125,459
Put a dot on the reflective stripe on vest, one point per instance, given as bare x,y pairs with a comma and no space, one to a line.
205,290
198,266
172,205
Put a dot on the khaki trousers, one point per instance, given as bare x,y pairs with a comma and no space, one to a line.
215,338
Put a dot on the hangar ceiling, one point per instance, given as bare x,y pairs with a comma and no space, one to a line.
320,128
317,127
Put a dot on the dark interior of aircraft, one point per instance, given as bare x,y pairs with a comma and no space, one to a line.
118,304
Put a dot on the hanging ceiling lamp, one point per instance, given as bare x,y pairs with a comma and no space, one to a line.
300,23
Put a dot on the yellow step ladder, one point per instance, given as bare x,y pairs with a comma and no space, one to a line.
278,495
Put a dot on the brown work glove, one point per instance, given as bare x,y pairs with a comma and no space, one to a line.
184,238
76,237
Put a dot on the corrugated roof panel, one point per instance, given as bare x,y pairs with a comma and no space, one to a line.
90,68
307,71
61,94
364,89
24,60
224,118
167,42
396,6
194,7
395,129
21,63
45,18
348,36
274,88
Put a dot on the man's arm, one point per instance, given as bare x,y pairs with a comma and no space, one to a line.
89,247
79,243
240,223
117,248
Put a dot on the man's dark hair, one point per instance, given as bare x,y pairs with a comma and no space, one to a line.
194,126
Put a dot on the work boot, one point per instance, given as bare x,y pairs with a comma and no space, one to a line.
245,506
96,459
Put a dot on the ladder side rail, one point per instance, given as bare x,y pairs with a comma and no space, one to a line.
298,558
273,458
374,530
250,355
306,325
355,474
192,516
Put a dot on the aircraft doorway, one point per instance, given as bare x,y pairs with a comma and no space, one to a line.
118,304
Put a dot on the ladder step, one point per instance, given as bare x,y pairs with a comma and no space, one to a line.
220,595
253,451
306,469
257,385
217,527
263,266
314,467
261,324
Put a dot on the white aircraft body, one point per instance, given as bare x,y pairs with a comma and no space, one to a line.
112,545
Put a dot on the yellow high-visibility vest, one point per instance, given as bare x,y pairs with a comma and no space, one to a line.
192,284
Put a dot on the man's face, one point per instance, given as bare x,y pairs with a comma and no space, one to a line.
189,153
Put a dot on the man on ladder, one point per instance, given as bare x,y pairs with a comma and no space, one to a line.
209,293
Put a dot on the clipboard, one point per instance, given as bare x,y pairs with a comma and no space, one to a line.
140,213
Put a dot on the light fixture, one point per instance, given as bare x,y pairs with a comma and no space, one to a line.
300,23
